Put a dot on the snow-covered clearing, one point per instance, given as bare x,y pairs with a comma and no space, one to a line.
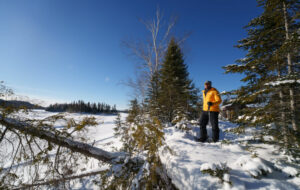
239,161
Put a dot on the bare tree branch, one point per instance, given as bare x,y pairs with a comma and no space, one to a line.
58,180
149,52
3,134
76,146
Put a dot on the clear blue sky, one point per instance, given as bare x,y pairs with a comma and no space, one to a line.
71,49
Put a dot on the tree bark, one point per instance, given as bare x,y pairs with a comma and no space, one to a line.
290,70
283,117
49,136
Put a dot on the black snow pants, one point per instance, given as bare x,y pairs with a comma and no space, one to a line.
214,123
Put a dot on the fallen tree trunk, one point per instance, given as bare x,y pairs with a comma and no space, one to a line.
49,136
83,148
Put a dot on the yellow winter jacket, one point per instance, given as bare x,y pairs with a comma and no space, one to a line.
213,96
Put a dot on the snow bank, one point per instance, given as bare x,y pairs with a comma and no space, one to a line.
213,166
254,166
191,159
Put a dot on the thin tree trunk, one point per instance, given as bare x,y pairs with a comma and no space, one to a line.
290,70
56,181
283,118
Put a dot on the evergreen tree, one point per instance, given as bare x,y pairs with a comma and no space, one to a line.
134,111
153,107
81,106
176,92
142,137
269,68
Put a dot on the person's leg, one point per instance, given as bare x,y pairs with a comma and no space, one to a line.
214,120
203,123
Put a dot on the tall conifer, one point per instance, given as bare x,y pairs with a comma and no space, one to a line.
177,94
270,69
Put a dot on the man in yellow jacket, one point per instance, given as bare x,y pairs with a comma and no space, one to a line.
211,109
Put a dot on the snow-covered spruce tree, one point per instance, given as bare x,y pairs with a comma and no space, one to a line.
230,108
177,94
134,110
152,104
143,137
269,67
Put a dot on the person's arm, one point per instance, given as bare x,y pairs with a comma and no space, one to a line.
218,99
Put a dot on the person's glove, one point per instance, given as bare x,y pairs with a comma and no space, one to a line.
210,103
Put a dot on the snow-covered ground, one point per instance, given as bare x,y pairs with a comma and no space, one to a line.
247,164
101,136
250,164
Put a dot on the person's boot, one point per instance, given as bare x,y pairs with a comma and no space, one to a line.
202,139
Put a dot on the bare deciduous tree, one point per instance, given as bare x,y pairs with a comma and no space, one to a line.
149,53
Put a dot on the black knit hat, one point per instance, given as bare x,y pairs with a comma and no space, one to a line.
208,82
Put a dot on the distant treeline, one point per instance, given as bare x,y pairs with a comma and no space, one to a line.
81,106
18,104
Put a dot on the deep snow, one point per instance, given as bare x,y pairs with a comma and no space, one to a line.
246,159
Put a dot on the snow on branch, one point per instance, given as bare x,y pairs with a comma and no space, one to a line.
280,82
